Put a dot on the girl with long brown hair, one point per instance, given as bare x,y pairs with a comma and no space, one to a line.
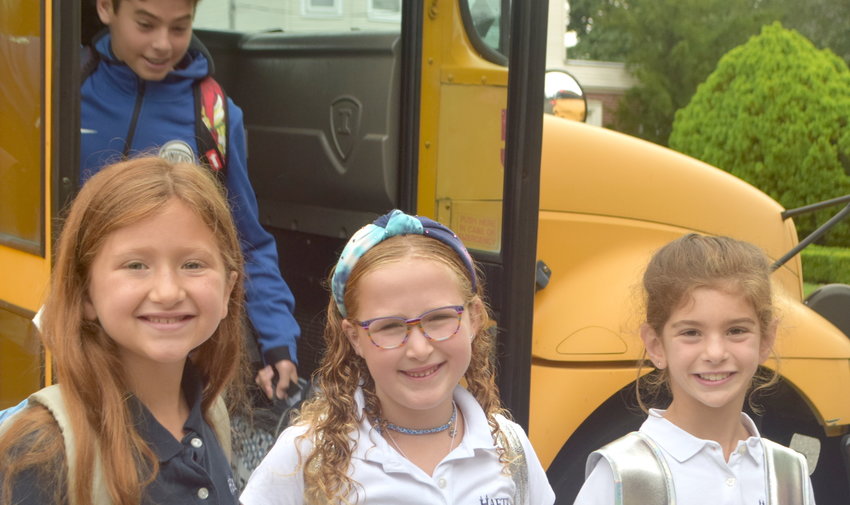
143,321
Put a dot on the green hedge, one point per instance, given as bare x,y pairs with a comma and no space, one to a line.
824,265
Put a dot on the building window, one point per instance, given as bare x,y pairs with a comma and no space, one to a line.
321,8
385,10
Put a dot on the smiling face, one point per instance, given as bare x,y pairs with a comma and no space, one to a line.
158,287
711,347
150,36
414,382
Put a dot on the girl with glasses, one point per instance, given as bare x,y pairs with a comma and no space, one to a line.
390,423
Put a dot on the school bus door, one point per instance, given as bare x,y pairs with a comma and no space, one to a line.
37,107
346,119
481,123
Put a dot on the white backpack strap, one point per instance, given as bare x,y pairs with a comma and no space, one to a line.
220,420
51,398
787,475
641,476
515,454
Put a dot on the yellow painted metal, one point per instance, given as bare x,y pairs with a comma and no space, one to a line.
562,397
469,161
805,334
462,112
590,310
823,382
23,278
20,352
592,170
20,126
478,222
24,274
50,82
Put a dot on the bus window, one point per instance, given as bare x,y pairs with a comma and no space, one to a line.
487,28
299,16
20,128
22,202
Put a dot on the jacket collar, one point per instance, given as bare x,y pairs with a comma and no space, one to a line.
196,64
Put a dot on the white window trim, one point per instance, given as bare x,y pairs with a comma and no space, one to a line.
594,112
310,11
376,14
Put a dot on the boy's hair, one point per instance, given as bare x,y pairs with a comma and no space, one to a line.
86,359
332,415
117,3
698,261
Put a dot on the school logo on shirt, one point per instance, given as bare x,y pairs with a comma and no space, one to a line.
486,500
177,151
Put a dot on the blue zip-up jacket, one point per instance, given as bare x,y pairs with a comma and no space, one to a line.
117,104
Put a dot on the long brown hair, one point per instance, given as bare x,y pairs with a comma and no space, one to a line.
694,261
94,388
332,415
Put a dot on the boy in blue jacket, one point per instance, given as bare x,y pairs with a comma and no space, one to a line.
140,98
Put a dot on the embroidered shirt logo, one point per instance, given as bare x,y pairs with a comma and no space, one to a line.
177,151
486,500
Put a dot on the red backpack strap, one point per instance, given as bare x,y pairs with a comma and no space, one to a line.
211,125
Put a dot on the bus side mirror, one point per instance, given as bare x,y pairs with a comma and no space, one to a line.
564,96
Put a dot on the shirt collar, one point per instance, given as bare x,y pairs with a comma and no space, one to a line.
371,446
682,445
163,443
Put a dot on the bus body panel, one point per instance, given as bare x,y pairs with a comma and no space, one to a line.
26,119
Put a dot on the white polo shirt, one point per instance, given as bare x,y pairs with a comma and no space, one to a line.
469,475
700,472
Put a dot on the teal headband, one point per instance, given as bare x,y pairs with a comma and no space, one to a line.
389,225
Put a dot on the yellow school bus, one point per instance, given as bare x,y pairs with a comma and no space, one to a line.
353,107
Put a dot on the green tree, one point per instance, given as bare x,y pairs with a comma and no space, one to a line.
589,18
671,46
824,22
775,113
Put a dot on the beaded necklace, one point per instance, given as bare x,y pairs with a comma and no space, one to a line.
452,433
450,425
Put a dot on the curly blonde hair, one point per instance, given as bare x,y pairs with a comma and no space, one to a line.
332,414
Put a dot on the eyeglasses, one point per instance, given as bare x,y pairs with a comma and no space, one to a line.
436,324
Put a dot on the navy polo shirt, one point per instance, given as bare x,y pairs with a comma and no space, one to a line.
193,470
